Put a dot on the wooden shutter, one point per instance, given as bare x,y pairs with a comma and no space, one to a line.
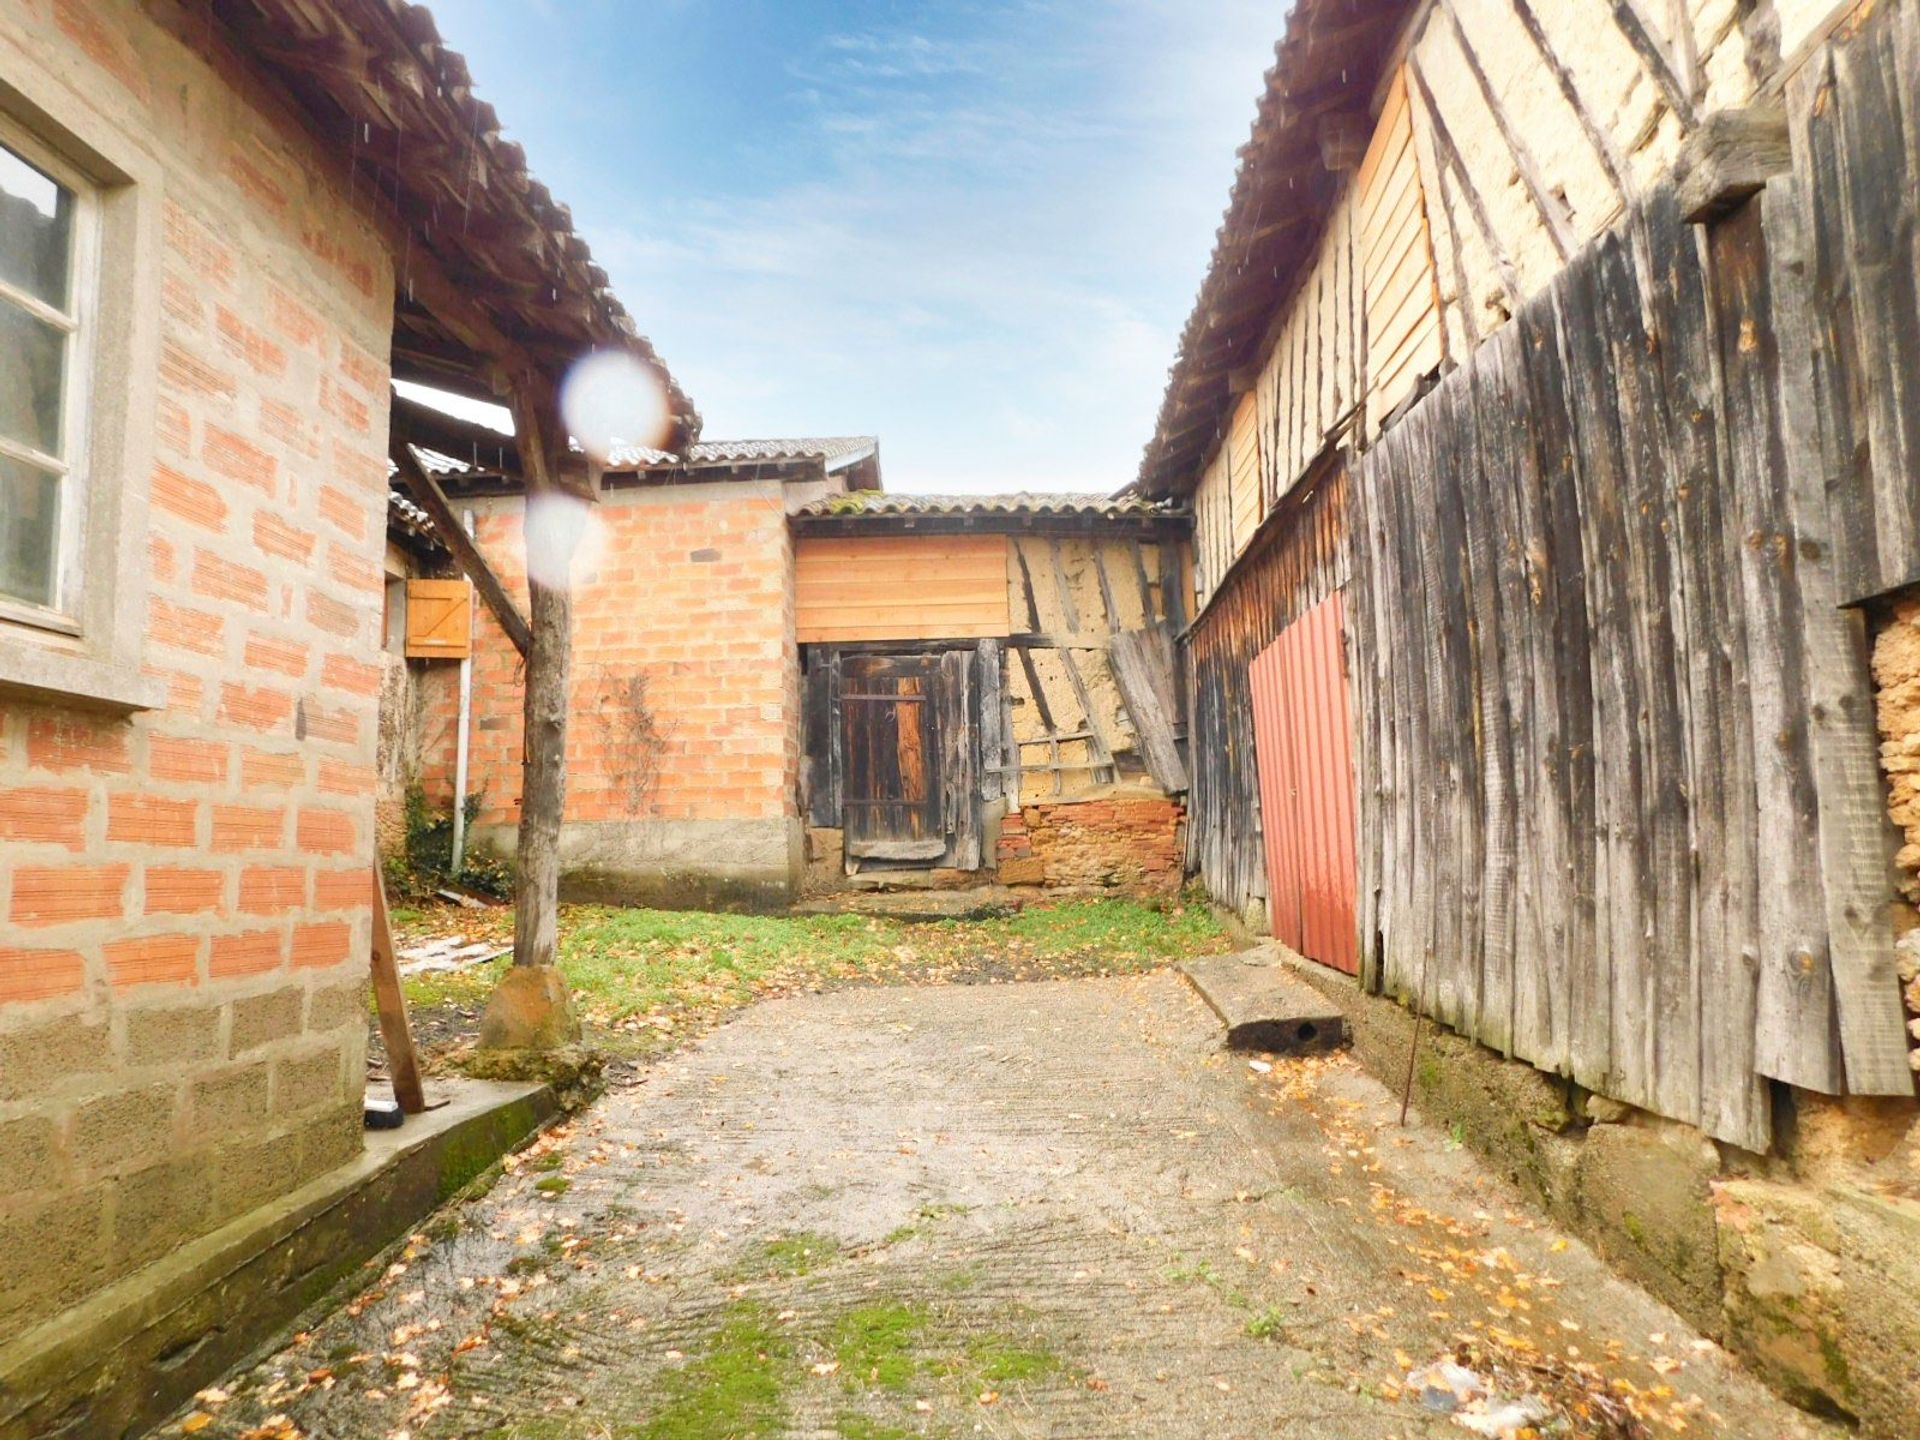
439,619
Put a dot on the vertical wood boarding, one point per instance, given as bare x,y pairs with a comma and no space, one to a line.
1619,806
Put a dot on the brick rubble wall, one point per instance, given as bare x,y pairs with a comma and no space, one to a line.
185,893
1896,673
1127,844
688,589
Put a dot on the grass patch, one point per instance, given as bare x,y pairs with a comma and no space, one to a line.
875,1344
643,978
735,1390
1269,1324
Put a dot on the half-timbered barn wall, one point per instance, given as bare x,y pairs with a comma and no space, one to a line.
1048,646
1506,135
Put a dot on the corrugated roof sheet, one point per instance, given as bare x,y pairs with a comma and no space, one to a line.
857,503
1327,64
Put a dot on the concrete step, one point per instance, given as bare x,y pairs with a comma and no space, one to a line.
1264,1007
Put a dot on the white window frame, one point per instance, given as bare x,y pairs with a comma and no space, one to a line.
88,652
80,323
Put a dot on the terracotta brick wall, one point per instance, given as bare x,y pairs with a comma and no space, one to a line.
1128,844
689,591
184,892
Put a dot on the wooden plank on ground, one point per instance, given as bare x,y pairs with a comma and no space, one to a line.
390,1002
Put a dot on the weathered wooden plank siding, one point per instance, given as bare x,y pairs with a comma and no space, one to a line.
1855,114
1297,562
1619,808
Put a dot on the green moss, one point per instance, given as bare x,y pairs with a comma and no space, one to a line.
1635,1227
785,1257
553,1185
552,1160
735,1390
875,1344
858,1427
998,1360
1839,1374
957,1282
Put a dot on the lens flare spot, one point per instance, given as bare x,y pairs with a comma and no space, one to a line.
610,401
557,524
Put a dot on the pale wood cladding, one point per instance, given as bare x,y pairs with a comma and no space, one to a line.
1395,259
1243,471
905,587
1364,321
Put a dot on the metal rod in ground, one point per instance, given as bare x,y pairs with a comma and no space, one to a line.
1413,1049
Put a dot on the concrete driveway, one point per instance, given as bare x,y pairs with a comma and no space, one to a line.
1022,1210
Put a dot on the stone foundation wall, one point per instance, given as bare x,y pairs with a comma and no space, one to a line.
1804,1264
1896,673
1126,843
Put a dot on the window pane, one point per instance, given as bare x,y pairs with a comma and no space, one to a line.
32,370
29,533
36,230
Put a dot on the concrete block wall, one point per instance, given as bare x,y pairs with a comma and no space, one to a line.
185,892
683,748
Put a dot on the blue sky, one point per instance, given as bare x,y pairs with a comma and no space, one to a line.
973,228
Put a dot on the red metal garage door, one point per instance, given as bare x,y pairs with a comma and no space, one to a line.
1304,747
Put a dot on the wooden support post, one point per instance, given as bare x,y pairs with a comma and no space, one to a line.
553,528
396,1032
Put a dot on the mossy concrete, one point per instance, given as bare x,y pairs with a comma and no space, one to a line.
121,1361
1823,1296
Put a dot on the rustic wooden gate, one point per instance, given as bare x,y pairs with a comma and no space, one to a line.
892,792
1304,750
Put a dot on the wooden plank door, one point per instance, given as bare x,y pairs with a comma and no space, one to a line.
1304,748
892,794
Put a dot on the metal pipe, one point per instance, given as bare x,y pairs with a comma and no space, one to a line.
460,742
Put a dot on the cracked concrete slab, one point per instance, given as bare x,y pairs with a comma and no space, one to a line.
1039,1210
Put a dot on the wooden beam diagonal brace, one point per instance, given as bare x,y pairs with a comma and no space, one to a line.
1645,39
430,497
